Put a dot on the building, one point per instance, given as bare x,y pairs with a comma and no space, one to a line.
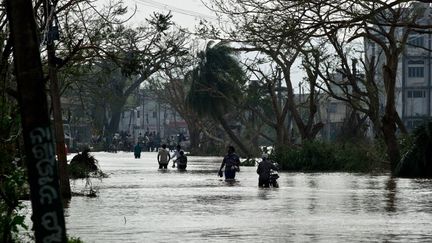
152,117
415,90
413,85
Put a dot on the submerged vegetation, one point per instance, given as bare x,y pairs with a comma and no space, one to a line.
85,166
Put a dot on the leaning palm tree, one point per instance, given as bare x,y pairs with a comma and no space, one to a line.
216,85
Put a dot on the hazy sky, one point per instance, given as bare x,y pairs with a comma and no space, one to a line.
185,13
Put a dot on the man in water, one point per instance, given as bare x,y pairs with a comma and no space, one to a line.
163,157
264,169
182,161
137,151
231,162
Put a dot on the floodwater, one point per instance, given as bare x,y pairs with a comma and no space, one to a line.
139,203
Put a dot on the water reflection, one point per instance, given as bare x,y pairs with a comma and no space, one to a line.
140,202
390,195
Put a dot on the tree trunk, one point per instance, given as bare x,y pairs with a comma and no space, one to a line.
116,110
389,118
58,124
233,137
194,133
389,131
48,217
281,134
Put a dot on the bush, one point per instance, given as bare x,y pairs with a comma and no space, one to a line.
320,156
417,154
13,180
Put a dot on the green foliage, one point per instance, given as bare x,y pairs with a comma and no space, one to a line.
417,154
84,165
12,190
320,156
74,240
13,182
216,81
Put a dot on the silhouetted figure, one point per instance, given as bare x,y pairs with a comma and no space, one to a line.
137,151
264,170
231,162
182,161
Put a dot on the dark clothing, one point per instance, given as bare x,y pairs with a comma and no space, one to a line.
182,162
264,183
137,151
230,173
264,169
164,166
231,163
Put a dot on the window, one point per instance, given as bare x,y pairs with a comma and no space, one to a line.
416,41
416,94
154,114
332,108
418,62
416,72
138,114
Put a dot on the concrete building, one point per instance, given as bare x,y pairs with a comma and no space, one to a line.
414,85
415,90
152,117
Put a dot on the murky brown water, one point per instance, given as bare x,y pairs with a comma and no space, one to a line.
139,203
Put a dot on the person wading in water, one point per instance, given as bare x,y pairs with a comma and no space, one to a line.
231,162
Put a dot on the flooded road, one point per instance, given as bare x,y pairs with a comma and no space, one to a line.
139,203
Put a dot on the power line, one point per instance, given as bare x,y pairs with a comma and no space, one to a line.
163,6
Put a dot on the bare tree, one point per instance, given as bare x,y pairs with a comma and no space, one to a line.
385,24
276,30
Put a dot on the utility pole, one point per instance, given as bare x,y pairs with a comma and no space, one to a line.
48,218
52,35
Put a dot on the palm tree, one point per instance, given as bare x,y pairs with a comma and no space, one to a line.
216,86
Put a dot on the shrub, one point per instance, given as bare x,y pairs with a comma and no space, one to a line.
417,154
320,156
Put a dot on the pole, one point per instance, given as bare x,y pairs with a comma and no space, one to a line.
57,114
48,217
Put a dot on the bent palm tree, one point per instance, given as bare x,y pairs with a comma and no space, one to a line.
216,85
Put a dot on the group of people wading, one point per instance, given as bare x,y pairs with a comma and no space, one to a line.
179,158
231,163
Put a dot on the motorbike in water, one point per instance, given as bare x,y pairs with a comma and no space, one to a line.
274,176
